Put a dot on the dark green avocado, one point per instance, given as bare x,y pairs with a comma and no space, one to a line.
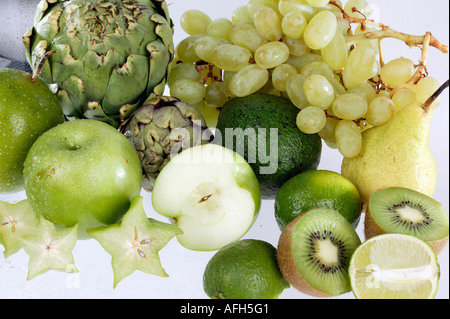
262,128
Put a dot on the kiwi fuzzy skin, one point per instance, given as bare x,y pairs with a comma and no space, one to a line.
371,229
287,265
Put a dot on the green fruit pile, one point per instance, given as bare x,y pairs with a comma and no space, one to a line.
252,99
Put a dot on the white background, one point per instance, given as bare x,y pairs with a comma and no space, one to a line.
185,267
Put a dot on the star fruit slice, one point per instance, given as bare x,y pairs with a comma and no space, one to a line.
134,243
50,249
16,221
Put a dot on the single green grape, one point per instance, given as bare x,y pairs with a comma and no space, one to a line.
204,46
240,14
380,111
189,91
183,71
350,106
194,22
296,47
364,10
318,91
335,54
254,5
244,34
365,90
311,120
403,97
271,54
348,138
286,6
231,57
294,24
281,74
317,3
268,23
320,30
294,90
328,132
186,49
362,65
397,72
248,80
215,94
219,28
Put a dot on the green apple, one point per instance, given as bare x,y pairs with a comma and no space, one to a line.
211,193
27,109
82,171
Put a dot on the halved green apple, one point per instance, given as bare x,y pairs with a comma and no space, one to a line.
211,193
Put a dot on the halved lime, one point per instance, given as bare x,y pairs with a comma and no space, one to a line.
394,266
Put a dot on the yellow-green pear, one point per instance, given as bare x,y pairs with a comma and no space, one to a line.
396,154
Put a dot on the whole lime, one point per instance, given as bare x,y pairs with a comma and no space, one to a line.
245,269
262,128
314,189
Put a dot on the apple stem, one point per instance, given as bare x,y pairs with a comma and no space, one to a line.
41,64
435,95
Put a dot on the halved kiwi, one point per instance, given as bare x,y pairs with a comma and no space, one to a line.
405,211
314,251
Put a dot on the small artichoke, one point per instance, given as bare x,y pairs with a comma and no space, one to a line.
162,128
108,56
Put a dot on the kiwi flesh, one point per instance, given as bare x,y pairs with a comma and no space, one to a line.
406,211
314,252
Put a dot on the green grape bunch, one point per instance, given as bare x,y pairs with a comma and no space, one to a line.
324,56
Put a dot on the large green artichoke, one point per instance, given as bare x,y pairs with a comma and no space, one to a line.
162,128
109,56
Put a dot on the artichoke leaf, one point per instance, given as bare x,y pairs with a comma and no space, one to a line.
118,42
41,9
48,27
126,83
26,39
65,65
159,59
37,53
170,117
139,31
164,30
66,104
164,10
97,70
76,91
128,109
95,112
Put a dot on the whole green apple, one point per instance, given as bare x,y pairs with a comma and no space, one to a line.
27,109
82,171
211,193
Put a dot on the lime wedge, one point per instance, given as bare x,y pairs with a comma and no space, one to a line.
394,266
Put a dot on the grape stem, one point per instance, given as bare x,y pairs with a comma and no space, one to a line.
385,32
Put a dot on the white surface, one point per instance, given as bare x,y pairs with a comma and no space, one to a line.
185,267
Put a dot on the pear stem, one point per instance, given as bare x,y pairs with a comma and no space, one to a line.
435,95
41,64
